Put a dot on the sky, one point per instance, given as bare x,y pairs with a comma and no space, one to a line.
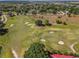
39,0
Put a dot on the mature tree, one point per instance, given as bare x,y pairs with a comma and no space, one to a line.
58,21
46,22
36,50
34,12
69,14
39,23
64,23
11,14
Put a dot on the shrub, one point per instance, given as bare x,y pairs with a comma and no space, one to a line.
58,22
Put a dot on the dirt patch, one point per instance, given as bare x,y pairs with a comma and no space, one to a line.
74,19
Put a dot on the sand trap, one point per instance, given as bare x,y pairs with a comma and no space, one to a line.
61,42
30,24
27,49
11,25
51,32
43,40
26,22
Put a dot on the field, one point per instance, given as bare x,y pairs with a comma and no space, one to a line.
23,32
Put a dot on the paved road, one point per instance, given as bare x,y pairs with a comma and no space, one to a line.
14,53
4,18
72,47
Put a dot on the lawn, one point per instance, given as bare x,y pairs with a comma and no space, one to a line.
77,47
21,36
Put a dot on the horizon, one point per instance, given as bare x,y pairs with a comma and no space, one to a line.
39,0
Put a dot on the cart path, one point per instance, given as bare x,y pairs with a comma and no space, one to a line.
14,53
4,18
72,47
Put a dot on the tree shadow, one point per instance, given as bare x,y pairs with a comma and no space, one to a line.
3,31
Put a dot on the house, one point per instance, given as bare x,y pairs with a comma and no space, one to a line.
61,56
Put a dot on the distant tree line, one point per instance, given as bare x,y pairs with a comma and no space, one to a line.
38,8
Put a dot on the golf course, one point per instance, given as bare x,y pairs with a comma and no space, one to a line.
23,32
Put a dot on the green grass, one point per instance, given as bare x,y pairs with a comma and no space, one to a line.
21,36
77,47
6,53
70,26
